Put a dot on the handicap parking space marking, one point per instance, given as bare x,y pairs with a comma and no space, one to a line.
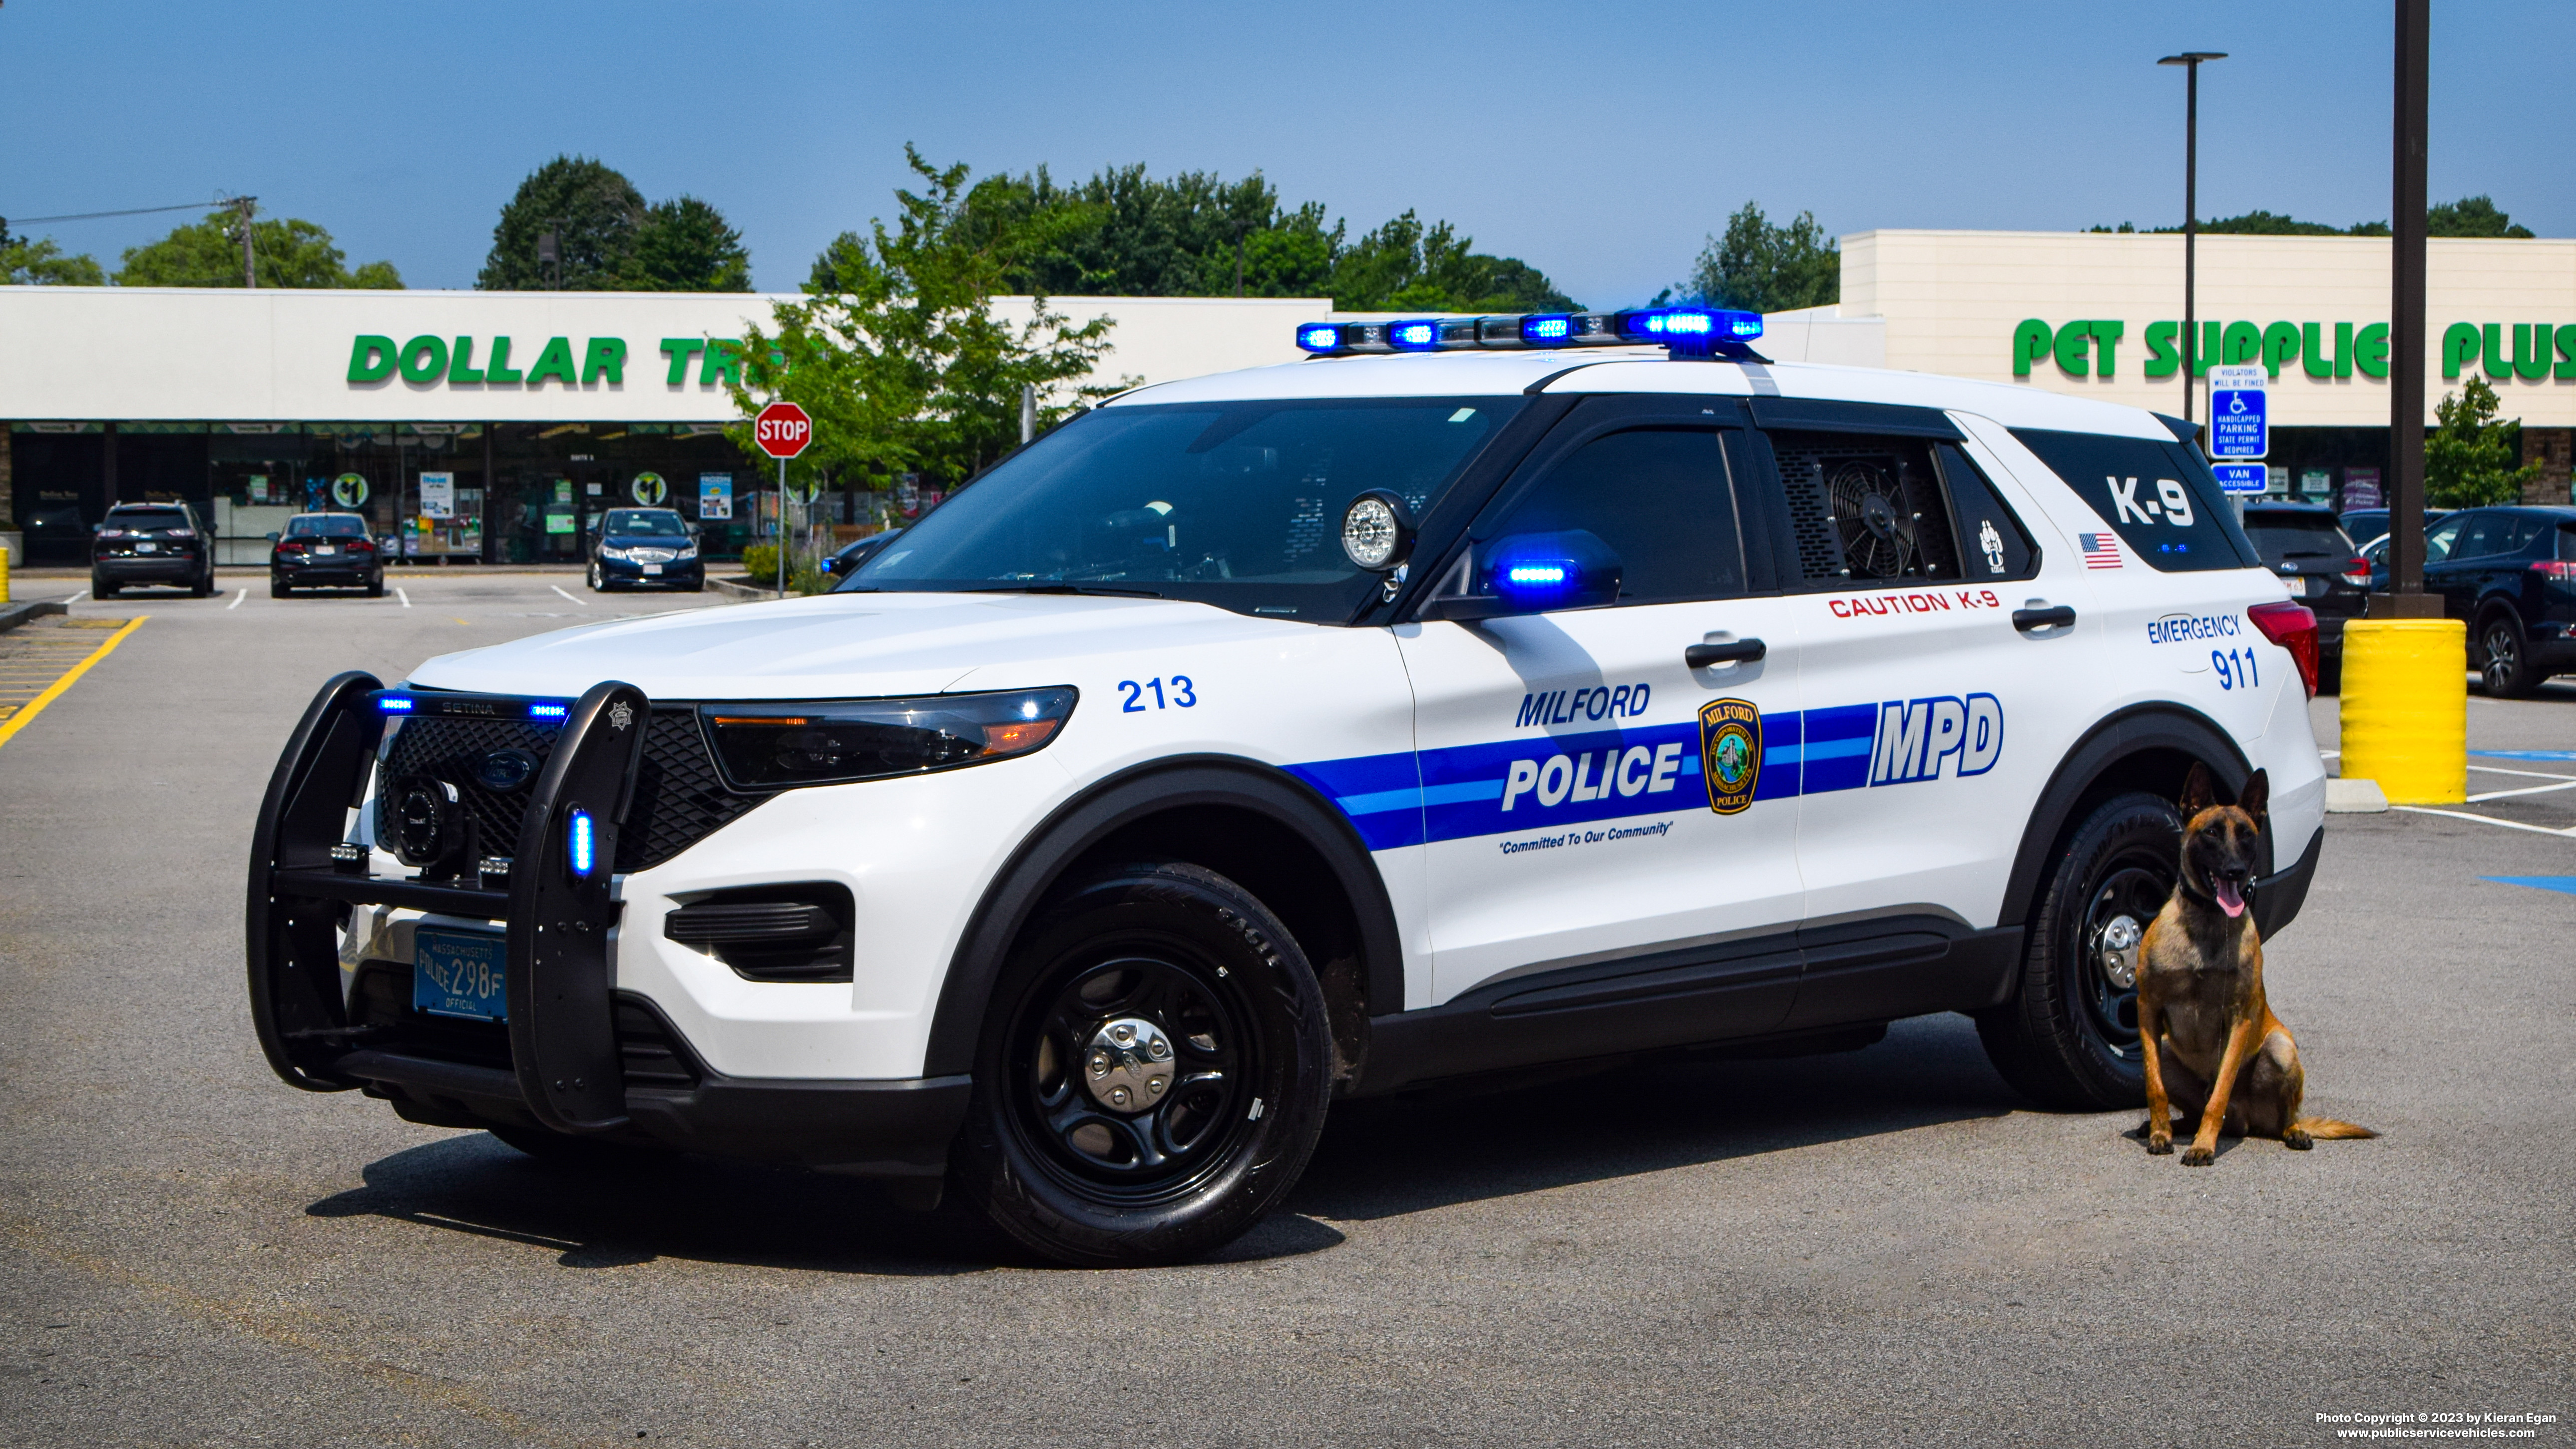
2564,884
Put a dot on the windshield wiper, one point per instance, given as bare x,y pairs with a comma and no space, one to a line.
1058,588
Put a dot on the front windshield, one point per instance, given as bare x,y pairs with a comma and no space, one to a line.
645,523
1236,504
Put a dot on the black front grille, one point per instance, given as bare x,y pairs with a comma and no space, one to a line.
679,798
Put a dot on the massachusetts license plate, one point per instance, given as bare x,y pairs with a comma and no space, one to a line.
324,548
459,973
147,548
652,568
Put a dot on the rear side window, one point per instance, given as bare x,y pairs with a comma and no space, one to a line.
2279,538
1992,543
1659,497
1865,509
2157,496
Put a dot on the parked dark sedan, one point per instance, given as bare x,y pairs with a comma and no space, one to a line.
2304,544
2364,524
325,550
2510,575
646,546
151,543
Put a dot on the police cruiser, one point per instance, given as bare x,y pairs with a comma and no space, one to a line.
1477,695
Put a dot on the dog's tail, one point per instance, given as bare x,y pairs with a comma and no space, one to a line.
2327,1129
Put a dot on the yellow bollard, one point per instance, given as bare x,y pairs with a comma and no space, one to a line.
2406,708
4,575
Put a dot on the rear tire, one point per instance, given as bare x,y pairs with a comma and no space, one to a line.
1232,1007
277,588
101,587
204,588
376,587
2068,1038
2504,657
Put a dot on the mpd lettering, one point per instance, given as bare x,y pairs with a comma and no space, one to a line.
1922,739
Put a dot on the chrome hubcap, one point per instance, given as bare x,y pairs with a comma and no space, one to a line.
2118,950
1128,1066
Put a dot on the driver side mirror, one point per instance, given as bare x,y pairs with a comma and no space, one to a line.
1534,573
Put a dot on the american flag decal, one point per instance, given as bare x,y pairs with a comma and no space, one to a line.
2101,550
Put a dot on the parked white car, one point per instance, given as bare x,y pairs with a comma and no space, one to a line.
1477,695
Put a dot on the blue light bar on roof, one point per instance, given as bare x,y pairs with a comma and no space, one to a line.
1682,331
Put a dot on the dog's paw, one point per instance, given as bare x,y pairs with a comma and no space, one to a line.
2297,1140
2198,1156
2159,1144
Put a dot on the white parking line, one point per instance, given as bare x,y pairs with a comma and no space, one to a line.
76,598
558,588
2486,820
2525,790
237,601
405,597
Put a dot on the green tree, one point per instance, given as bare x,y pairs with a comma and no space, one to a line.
596,212
287,253
1759,267
2471,216
685,245
37,262
1404,266
896,352
2469,459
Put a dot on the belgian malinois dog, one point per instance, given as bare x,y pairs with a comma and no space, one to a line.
2212,1045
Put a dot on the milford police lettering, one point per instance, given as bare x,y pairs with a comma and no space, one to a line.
1556,707
1518,786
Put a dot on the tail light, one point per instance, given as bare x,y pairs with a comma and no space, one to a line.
2357,571
362,545
2561,569
2294,628
290,546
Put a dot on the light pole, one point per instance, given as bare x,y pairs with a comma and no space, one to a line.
2406,598
2190,61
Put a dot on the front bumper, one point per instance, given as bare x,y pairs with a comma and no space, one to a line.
676,572
574,1054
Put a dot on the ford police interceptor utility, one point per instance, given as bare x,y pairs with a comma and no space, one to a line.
1476,695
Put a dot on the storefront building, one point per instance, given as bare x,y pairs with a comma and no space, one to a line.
486,427
2100,315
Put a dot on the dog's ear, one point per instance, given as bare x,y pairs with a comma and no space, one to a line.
2256,796
2199,792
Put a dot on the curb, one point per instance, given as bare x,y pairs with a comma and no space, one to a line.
732,590
13,615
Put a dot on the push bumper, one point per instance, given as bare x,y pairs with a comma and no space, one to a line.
2278,896
560,1060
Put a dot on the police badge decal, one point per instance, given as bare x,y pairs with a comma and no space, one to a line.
1730,753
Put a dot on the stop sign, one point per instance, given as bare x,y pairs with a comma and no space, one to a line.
782,430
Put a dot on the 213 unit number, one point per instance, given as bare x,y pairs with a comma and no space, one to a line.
1182,695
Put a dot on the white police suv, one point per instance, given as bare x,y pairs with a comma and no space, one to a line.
1475,695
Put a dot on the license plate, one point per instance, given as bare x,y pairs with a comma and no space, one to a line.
459,973
325,549
652,568
147,548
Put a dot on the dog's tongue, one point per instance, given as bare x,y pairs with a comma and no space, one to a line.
2230,899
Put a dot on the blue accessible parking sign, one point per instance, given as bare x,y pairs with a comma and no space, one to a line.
2240,477
2239,423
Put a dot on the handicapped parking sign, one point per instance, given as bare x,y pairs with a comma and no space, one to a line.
2239,421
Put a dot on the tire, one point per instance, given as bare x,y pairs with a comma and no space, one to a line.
101,588
2068,1038
696,586
204,588
2504,657
1234,1008
376,587
598,585
277,588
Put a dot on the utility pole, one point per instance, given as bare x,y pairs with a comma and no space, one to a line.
242,207
2190,61
2406,598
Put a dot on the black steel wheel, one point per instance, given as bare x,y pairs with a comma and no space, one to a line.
2504,659
2069,1036
1153,1072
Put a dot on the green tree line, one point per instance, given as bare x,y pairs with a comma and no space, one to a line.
2470,216
285,252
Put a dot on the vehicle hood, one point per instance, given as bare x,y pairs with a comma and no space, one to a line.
843,646
647,540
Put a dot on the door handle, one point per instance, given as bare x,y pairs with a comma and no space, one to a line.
2028,619
1737,651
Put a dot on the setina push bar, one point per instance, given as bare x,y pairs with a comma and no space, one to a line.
555,909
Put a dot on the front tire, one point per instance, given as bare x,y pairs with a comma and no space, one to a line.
2068,1038
598,585
2504,657
1152,1074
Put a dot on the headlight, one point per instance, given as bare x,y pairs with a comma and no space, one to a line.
618,554
829,741
687,550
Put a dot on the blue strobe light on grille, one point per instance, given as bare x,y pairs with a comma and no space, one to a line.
580,846
394,703
545,710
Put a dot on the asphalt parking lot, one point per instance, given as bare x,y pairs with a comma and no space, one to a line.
1883,1246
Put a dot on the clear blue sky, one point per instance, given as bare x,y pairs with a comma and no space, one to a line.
1598,141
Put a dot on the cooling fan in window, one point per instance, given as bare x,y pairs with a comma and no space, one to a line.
1872,518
